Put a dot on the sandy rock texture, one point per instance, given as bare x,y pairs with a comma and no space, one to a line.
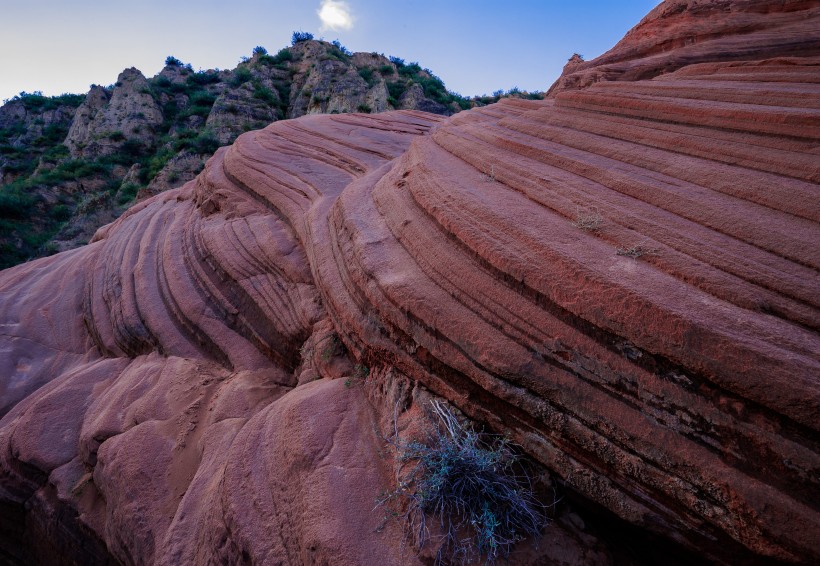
678,33
625,279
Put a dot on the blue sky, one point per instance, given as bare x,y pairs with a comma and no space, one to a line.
476,46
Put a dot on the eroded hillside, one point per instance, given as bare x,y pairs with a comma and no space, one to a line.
72,163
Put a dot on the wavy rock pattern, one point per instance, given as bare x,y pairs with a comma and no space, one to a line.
678,33
152,372
624,278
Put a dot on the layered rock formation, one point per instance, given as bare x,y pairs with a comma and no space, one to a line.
624,279
678,33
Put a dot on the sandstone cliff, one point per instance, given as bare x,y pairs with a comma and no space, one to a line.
624,279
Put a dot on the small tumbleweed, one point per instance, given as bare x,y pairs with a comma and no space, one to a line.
588,219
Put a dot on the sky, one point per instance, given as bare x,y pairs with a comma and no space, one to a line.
475,46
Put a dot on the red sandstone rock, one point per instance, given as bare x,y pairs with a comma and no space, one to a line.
623,278
678,33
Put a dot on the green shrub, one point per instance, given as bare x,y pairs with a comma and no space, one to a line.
240,76
157,162
60,212
387,70
433,87
15,202
35,101
264,94
179,88
367,74
282,56
474,485
300,36
133,149
12,131
259,50
112,186
335,53
204,144
21,167
55,152
364,108
52,134
172,61
396,89
170,110
283,88
128,192
70,171
203,98
410,70
116,136
463,103
202,78
199,104
341,48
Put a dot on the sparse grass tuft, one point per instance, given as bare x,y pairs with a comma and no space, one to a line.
473,485
588,219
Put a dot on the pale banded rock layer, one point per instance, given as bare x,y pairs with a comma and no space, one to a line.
623,278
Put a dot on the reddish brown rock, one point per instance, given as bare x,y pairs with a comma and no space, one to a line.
678,33
623,278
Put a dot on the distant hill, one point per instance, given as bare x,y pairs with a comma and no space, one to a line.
72,163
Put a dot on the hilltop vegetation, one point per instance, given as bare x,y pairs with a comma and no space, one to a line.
71,163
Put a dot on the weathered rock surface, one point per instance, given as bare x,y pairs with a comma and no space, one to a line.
625,279
686,32
180,169
104,122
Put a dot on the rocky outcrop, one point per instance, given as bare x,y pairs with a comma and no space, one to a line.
29,125
105,122
678,33
623,279
180,169
167,126
334,82
236,111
